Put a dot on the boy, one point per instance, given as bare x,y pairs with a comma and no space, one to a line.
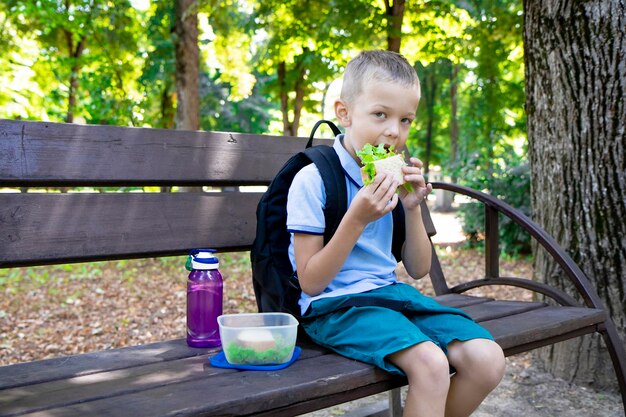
350,295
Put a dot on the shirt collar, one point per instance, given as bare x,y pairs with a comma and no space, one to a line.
350,166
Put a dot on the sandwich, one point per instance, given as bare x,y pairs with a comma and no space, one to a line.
380,159
256,339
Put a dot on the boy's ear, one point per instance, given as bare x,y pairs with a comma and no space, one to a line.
342,112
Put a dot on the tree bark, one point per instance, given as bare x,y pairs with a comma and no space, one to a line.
75,54
395,14
454,119
576,88
284,97
429,90
290,127
187,65
168,112
187,69
298,104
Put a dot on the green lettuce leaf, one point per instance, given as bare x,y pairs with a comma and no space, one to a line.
370,153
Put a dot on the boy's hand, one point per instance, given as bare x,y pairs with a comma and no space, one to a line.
374,200
421,189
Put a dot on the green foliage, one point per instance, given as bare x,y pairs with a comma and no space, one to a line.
92,41
306,43
478,48
249,115
126,72
157,81
509,182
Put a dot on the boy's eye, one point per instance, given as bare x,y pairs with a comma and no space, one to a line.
407,121
379,115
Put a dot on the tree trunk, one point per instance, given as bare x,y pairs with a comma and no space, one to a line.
454,120
168,112
187,69
284,97
429,89
395,14
75,55
299,101
187,65
290,127
576,89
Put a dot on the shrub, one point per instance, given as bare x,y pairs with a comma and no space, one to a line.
509,183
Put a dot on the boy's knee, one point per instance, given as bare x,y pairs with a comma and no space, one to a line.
480,357
425,360
493,364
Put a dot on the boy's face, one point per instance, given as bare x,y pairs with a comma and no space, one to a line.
381,114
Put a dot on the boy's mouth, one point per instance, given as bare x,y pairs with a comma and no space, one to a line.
387,147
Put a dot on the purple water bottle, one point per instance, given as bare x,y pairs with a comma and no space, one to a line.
204,299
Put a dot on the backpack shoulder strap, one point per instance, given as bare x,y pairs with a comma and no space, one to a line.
328,164
330,124
399,231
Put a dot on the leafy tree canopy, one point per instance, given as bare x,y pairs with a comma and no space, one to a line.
266,64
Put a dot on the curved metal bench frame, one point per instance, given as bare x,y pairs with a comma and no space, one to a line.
493,207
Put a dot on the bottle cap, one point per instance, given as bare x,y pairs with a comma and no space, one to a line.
203,259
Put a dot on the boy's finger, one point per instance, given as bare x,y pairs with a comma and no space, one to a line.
416,179
379,178
382,180
408,169
393,202
416,162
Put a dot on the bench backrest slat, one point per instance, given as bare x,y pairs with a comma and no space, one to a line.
59,228
55,154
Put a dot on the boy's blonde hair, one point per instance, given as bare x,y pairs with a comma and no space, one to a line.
377,65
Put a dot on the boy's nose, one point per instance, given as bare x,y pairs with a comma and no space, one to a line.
392,130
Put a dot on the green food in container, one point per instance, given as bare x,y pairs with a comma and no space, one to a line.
248,356
258,338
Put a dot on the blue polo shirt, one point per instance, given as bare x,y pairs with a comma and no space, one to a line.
371,264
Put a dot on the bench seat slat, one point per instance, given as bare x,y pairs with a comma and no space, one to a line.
492,310
461,300
539,324
532,324
121,225
37,372
138,373
254,391
89,387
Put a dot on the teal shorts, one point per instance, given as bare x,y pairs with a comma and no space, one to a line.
371,332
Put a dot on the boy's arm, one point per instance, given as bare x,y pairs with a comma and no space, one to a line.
416,252
317,265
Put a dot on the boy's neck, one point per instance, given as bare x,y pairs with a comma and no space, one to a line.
352,154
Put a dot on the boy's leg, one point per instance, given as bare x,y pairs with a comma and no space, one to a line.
480,366
427,370
369,334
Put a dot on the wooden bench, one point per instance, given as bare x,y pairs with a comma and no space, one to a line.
169,378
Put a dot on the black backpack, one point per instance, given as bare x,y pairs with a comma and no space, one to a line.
276,287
